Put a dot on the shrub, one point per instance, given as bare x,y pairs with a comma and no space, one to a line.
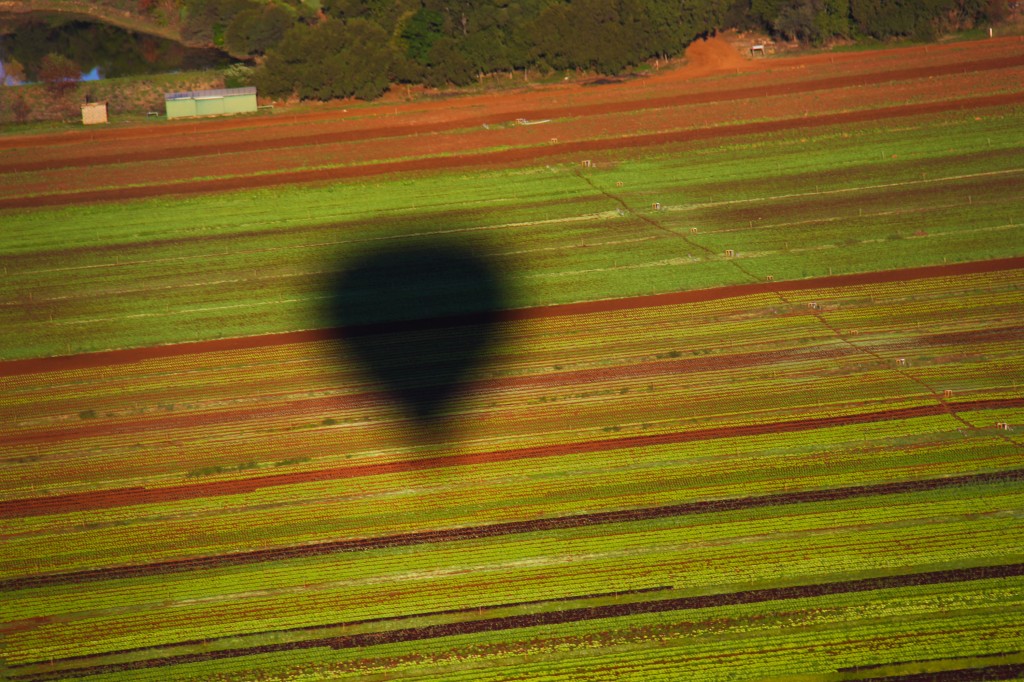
20,108
59,74
238,76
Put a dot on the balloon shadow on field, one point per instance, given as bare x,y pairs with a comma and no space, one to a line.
418,317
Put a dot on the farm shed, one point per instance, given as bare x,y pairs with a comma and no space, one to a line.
94,112
210,102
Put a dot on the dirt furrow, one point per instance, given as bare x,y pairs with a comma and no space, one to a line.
686,99
504,158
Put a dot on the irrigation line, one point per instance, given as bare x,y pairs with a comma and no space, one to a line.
816,312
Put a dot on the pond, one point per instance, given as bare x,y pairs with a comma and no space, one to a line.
101,50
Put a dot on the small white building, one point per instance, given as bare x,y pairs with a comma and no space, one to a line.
93,113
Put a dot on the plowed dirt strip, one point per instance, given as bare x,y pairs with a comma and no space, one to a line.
504,158
368,621
540,100
127,356
562,617
329,137
510,528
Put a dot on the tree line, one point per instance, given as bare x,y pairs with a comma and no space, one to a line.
356,48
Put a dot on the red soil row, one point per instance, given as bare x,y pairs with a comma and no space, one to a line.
132,355
368,151
329,135
703,58
567,130
120,497
504,158
571,616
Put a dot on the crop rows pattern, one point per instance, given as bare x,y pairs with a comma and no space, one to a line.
753,411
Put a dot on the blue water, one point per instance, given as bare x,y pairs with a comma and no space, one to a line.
102,50
7,80
93,75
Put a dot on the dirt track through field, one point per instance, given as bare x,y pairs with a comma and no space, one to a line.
703,58
504,158
132,355
120,497
330,136
572,615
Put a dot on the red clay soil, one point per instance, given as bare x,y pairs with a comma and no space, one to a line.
702,58
119,497
576,615
131,355
991,335
334,134
569,130
505,158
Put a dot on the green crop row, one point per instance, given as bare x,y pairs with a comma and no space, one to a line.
693,638
937,516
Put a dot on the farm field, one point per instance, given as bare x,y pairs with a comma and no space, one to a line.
750,406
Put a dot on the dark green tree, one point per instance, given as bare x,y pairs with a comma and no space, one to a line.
797,20
206,20
883,18
329,60
702,18
384,13
765,12
254,30
365,59
446,63
420,33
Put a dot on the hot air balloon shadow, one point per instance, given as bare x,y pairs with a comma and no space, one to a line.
419,318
